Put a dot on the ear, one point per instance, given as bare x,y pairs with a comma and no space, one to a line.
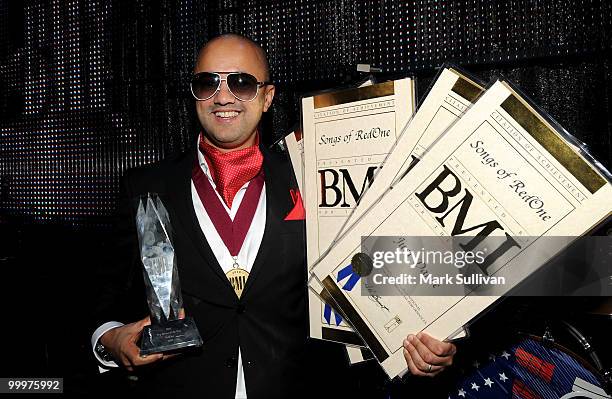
268,97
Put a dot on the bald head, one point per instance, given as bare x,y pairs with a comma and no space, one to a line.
228,122
233,42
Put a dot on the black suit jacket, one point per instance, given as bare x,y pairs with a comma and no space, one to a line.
269,322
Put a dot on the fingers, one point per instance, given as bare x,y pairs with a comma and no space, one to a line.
146,359
427,356
166,357
432,351
144,322
415,370
132,357
135,360
132,360
129,352
132,351
124,346
439,348
414,358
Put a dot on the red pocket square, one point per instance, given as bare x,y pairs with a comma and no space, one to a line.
297,213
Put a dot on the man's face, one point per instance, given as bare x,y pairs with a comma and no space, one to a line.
228,122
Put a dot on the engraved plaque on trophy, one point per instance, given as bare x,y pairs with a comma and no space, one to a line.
167,331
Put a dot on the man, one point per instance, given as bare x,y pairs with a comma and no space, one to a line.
254,339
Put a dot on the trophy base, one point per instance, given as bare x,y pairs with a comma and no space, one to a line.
170,336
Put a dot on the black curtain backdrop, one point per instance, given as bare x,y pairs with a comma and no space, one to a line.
89,88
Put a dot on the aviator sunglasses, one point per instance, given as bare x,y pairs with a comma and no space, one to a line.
243,86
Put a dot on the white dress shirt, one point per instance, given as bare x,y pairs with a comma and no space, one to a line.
245,257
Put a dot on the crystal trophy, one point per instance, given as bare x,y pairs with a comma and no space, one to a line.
167,331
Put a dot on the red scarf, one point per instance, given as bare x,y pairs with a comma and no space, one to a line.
232,170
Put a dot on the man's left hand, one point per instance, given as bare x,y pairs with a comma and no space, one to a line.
427,356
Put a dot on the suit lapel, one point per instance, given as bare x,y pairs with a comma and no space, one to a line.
278,204
180,188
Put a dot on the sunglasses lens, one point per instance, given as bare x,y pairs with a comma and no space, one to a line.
204,85
243,86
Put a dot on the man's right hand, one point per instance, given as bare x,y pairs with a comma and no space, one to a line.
121,343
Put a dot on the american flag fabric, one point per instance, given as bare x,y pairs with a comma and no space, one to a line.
529,370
